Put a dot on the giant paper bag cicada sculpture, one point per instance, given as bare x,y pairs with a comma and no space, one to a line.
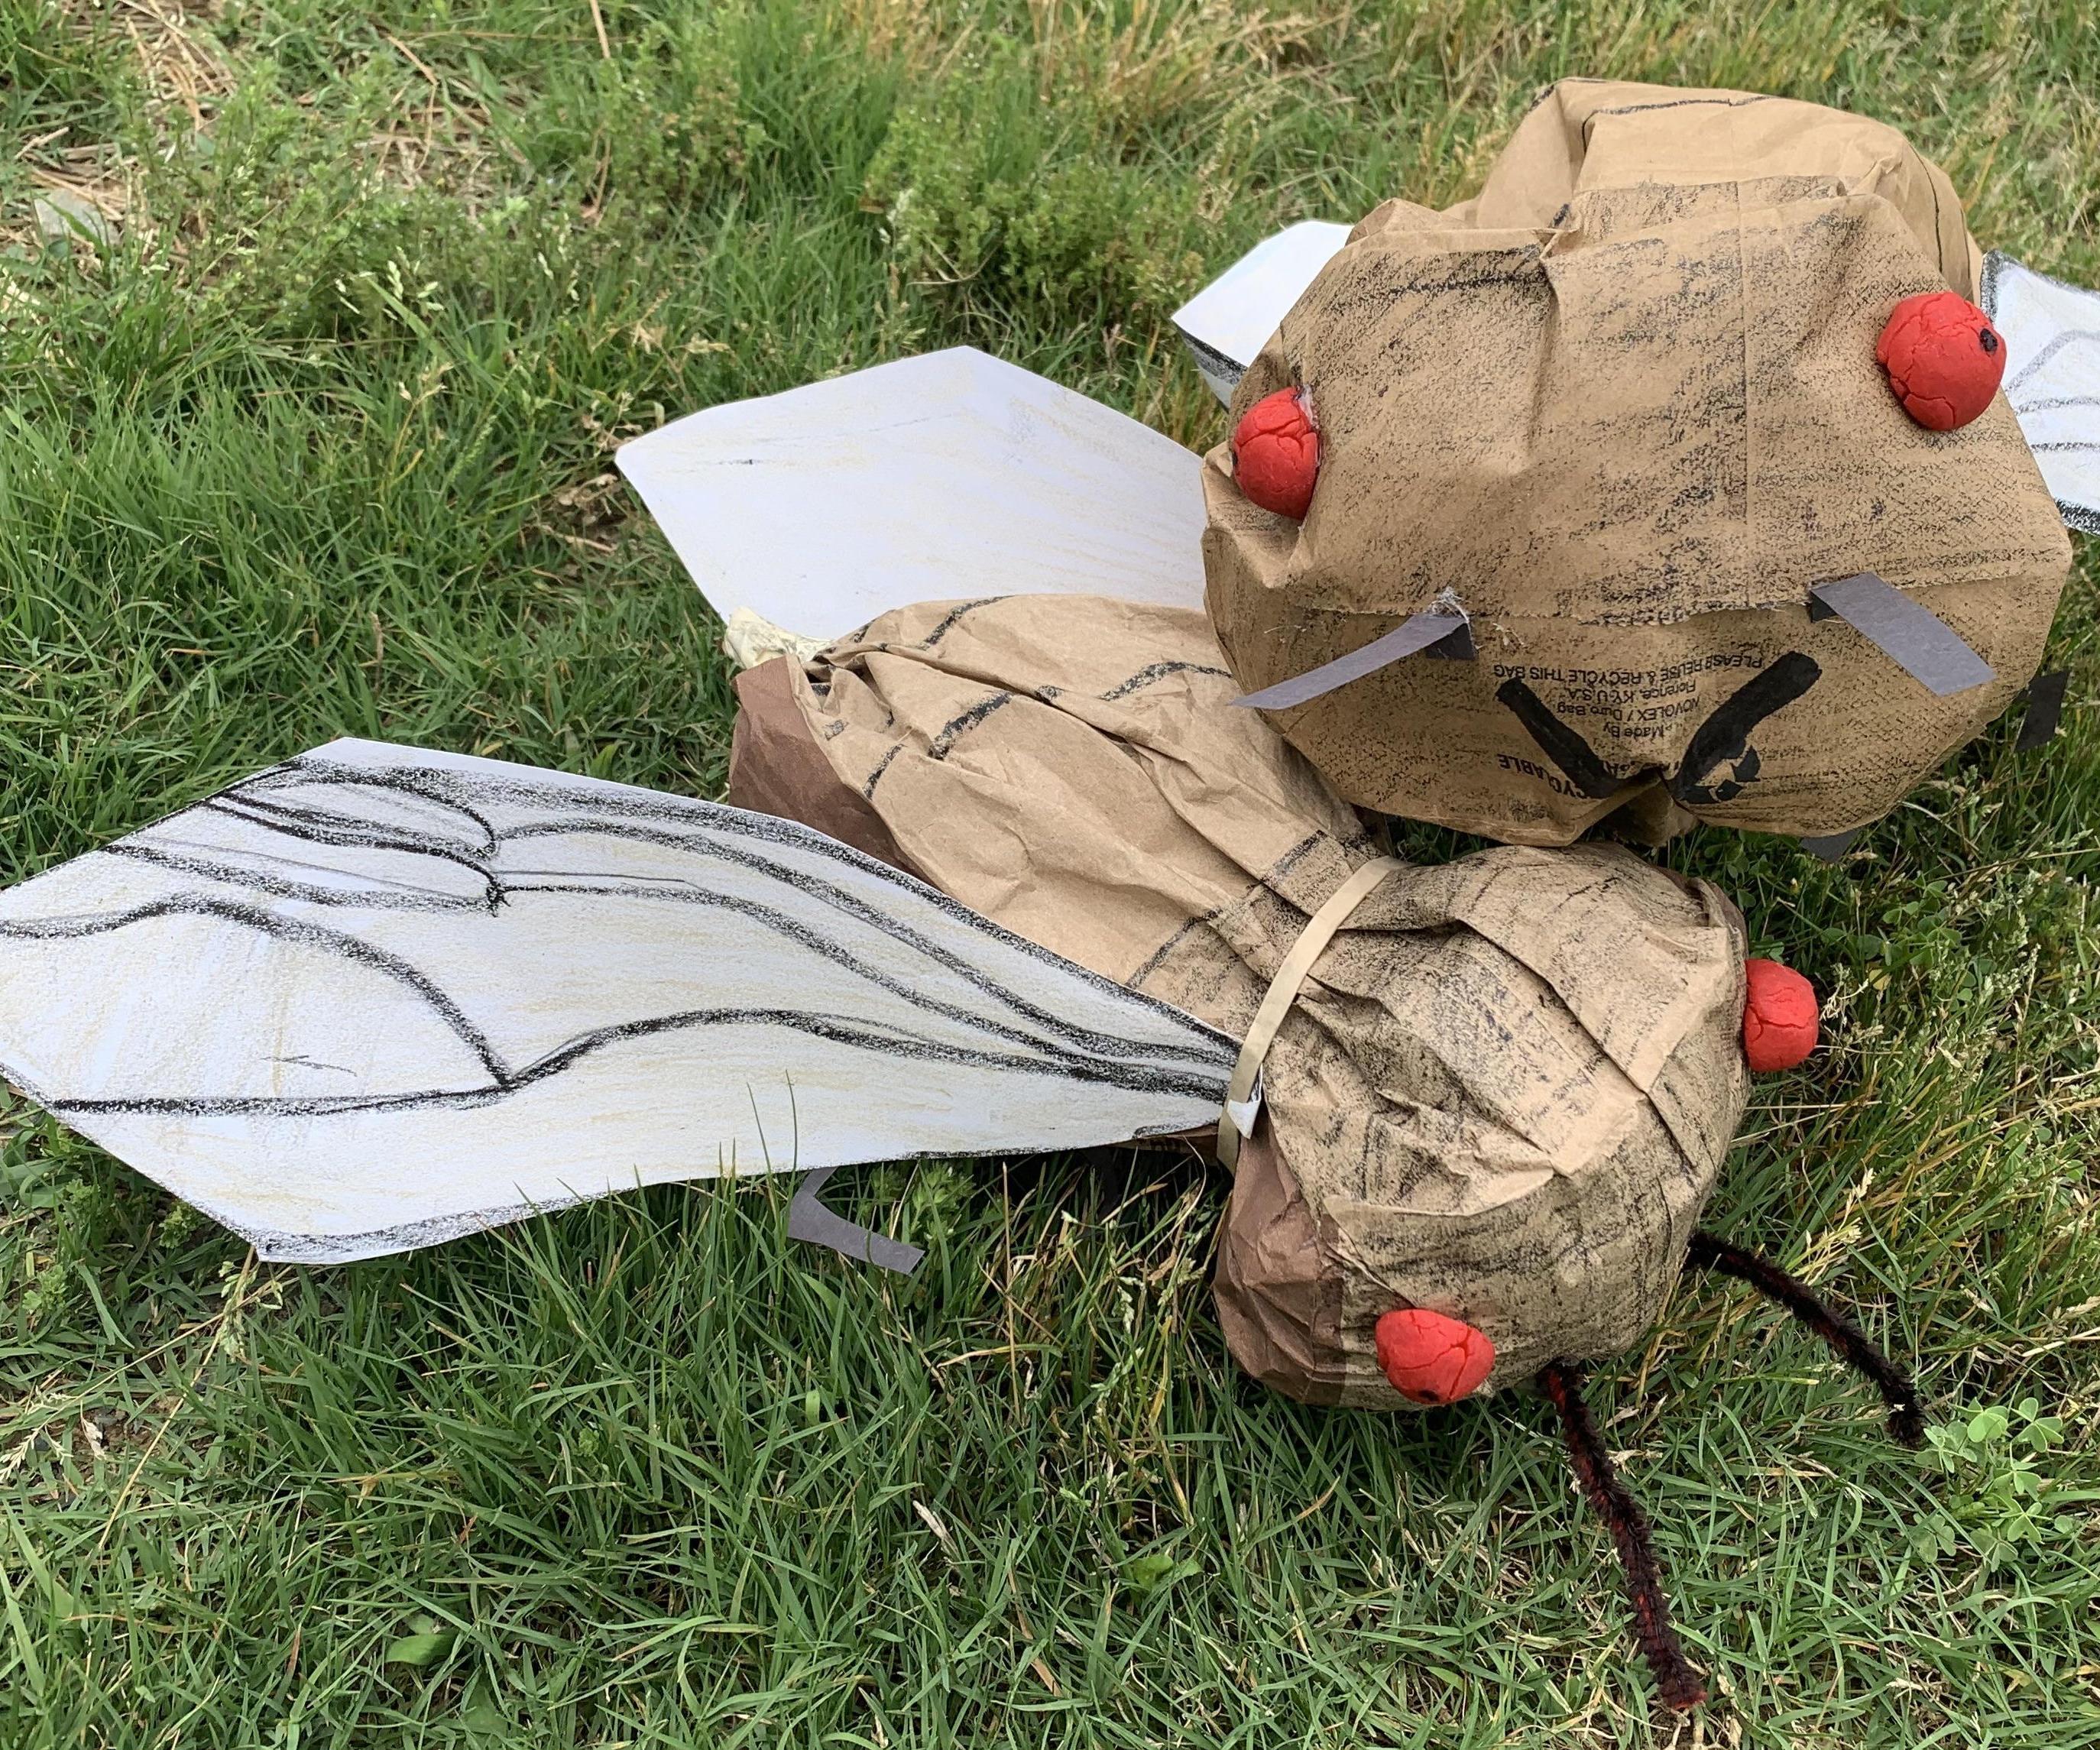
1016,871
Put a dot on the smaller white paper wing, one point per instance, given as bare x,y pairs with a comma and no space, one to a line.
1227,323
377,997
2052,334
950,475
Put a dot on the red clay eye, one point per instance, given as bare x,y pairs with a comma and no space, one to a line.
1944,358
1780,1016
1276,454
1431,1358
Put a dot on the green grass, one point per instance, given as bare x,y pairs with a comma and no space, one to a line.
320,445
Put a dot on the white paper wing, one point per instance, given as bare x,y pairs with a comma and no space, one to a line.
953,474
1227,323
377,996
2052,334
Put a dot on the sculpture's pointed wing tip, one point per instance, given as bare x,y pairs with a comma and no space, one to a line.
1227,323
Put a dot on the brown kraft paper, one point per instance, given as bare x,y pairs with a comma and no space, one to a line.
1622,409
1508,1083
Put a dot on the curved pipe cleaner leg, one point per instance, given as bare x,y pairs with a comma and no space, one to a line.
1678,1684
1709,1251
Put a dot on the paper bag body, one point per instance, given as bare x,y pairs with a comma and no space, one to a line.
1623,408
1508,1085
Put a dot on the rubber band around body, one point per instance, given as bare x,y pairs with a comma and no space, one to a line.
1320,929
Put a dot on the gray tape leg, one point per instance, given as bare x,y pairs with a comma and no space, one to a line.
809,1219
2044,710
1833,846
1922,643
1432,631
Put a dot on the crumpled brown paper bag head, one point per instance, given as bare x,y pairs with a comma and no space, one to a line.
1622,409
1506,1088
1531,1130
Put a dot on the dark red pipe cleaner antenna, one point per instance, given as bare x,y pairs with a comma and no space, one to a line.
1675,1681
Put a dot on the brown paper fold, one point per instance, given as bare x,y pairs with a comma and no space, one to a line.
1622,410
775,767
1508,1083
1278,1285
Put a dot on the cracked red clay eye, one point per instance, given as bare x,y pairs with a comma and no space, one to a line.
1432,1358
1276,454
1943,358
1780,1019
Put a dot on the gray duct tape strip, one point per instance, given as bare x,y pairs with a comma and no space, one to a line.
1832,846
2044,710
1426,630
1916,638
809,1219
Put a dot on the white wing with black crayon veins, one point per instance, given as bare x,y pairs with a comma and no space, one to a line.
377,996
2052,334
